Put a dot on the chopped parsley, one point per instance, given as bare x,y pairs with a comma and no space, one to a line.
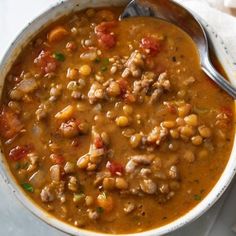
59,56
97,60
99,210
197,197
78,196
104,68
28,187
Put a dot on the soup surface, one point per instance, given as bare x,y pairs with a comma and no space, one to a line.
112,126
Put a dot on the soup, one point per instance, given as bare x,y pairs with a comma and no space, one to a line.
112,126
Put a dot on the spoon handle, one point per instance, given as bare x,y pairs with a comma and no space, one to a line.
218,78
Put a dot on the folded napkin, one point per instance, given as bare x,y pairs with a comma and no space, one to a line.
224,24
230,3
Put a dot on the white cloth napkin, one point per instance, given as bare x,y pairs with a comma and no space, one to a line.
224,24
230,3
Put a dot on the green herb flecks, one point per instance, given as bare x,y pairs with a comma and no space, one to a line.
99,210
197,197
28,187
104,68
59,56
97,60
78,197
105,63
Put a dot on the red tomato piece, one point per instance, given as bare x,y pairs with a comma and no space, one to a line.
123,85
105,27
10,125
107,40
57,159
115,168
19,152
129,98
150,45
98,142
227,110
46,62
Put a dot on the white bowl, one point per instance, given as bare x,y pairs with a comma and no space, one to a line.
23,39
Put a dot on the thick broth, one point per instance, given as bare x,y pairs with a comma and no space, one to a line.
157,132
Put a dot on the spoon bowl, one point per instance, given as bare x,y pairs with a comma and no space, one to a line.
175,13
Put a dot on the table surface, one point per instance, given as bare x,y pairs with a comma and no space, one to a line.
15,220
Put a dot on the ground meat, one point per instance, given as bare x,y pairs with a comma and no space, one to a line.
138,160
157,135
134,65
148,186
129,207
69,129
92,214
96,93
47,195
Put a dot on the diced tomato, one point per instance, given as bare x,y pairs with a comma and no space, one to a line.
107,40
171,108
105,37
19,152
150,45
123,85
105,27
46,62
57,159
10,125
129,98
227,110
115,168
98,142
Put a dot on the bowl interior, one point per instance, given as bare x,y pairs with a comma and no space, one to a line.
23,39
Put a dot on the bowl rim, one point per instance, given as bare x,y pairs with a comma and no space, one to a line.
223,182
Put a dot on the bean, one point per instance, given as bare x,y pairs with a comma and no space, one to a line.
84,127
196,140
83,161
191,120
72,85
135,140
168,124
108,183
121,183
72,73
189,156
89,200
180,121
114,89
128,110
122,121
203,154
187,130
174,133
184,110
57,34
65,113
85,70
69,167
204,131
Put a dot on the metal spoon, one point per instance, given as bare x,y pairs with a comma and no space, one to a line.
175,13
